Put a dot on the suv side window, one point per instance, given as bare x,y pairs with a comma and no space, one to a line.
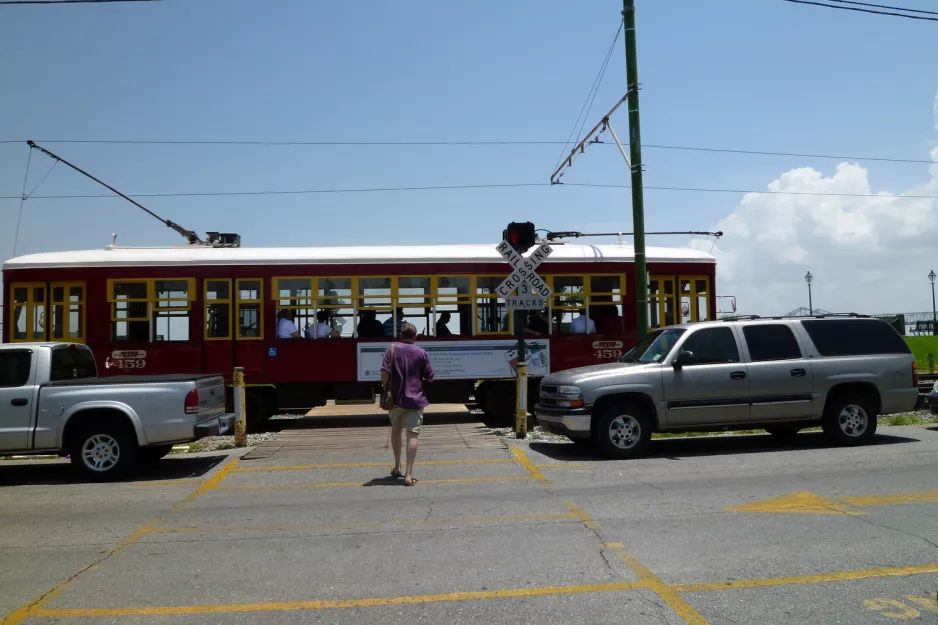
712,346
771,342
14,367
854,337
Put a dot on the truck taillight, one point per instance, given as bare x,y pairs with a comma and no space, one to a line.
192,402
915,374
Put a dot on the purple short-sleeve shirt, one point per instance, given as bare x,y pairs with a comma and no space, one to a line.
411,368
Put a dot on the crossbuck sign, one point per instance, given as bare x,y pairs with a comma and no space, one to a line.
532,289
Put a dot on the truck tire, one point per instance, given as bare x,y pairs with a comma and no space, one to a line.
153,454
105,451
849,419
622,430
783,431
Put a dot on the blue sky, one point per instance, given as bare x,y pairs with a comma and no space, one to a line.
745,74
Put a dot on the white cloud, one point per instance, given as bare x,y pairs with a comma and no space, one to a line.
868,254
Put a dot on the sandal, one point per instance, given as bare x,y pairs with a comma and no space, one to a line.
396,473
413,481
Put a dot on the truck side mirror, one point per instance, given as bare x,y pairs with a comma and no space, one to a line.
683,358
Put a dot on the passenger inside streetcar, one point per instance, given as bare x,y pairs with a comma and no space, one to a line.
441,328
286,327
368,324
580,324
322,329
388,325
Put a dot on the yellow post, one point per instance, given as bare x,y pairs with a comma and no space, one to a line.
241,424
521,417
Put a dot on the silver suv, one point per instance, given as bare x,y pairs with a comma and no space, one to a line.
780,374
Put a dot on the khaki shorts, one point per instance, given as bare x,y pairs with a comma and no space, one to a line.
404,417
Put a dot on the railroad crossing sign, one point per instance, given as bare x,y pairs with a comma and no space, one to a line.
532,289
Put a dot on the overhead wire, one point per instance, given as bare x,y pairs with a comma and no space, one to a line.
882,6
19,215
862,10
477,186
652,146
590,97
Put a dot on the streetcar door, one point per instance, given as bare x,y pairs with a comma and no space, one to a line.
661,302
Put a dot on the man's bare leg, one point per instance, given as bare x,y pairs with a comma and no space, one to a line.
396,446
411,456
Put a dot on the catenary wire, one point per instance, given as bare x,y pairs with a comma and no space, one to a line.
850,8
479,186
883,6
652,146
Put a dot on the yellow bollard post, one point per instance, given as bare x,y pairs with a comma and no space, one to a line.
521,417
241,424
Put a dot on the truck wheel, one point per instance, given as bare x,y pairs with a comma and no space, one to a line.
153,454
104,452
783,431
622,430
849,419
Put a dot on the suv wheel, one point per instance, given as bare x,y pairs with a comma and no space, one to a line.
104,452
623,430
849,420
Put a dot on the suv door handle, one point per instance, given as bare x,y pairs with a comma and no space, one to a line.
19,401
798,373
738,375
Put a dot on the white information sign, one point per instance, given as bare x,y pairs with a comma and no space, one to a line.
523,270
464,360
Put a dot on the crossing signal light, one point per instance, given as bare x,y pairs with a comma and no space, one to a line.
520,235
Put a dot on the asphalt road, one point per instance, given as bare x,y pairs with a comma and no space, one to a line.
741,529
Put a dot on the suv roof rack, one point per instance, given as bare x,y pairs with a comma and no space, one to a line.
849,314
740,317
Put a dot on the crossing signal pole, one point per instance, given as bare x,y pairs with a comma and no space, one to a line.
635,150
521,237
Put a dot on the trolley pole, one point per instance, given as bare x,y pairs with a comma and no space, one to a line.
635,148
241,430
521,415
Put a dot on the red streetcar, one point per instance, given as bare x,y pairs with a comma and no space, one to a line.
311,324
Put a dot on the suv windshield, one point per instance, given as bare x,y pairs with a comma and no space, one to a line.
654,347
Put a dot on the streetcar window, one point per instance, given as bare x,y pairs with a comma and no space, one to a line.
452,296
605,303
295,295
678,299
337,296
375,305
414,297
130,305
492,317
68,311
250,294
218,309
568,303
28,313
171,309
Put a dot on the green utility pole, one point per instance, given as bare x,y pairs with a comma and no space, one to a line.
635,145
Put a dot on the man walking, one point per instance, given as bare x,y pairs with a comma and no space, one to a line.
409,368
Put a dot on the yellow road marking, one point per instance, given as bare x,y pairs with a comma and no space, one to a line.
888,571
32,608
532,469
345,603
211,484
580,513
795,503
926,496
647,579
345,465
212,529
461,480
35,607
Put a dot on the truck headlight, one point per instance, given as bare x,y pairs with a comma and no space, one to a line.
570,397
568,391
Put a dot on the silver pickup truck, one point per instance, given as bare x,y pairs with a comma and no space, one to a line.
778,374
51,401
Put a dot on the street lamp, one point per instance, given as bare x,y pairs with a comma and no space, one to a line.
934,317
808,278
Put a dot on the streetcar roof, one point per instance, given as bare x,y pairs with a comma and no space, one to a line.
120,256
